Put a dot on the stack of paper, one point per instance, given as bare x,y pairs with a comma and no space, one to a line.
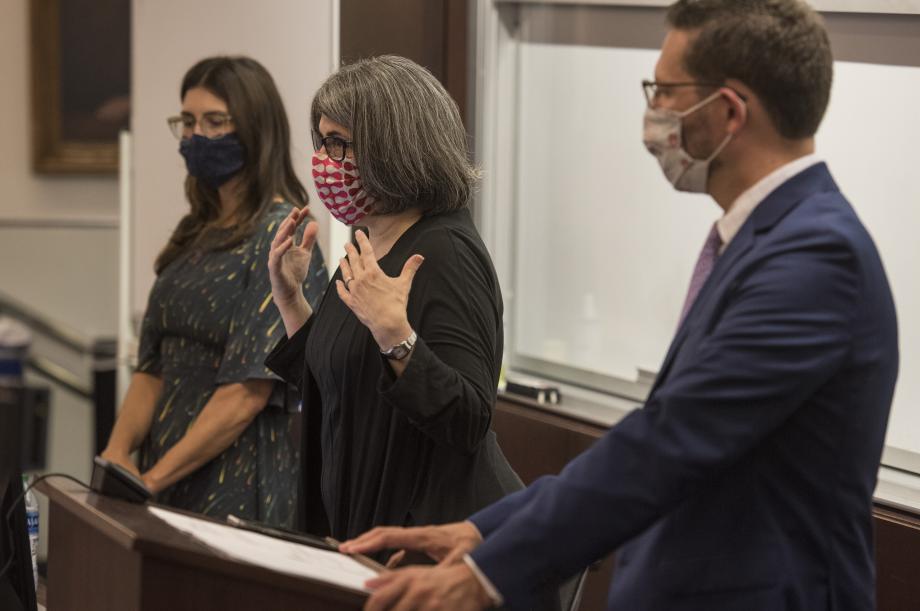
274,554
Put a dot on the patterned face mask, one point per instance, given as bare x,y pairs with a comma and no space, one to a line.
339,186
662,136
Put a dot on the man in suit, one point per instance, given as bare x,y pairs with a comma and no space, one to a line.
745,482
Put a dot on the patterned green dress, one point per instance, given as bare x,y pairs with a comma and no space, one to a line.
210,320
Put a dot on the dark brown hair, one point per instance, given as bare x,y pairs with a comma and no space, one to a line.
778,48
408,139
262,127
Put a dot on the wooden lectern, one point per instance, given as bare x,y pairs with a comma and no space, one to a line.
109,555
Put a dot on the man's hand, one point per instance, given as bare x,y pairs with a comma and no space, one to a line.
453,587
446,544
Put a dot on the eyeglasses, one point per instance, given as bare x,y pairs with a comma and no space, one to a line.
213,125
654,89
334,145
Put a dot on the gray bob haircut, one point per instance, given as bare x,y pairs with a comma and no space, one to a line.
408,140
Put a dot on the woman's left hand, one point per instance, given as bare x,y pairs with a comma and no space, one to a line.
149,481
378,300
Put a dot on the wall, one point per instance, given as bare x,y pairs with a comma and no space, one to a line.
26,195
432,33
66,225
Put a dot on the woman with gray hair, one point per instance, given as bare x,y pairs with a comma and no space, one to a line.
398,365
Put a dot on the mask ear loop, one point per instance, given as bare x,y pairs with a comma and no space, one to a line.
730,135
715,153
725,141
686,113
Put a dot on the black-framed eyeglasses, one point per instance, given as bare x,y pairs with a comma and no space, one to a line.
335,145
213,124
654,89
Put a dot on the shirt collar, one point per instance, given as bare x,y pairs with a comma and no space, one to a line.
731,222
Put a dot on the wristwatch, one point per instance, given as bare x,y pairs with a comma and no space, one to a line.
402,349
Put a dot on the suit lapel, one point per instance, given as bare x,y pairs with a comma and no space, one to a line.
765,216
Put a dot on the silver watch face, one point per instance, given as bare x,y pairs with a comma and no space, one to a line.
402,349
398,352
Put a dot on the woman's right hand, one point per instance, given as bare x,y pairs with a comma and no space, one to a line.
121,459
288,262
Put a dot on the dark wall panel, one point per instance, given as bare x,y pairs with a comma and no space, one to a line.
432,33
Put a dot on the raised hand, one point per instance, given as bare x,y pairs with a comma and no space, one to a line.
378,300
288,262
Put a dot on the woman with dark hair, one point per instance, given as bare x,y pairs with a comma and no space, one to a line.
398,385
214,426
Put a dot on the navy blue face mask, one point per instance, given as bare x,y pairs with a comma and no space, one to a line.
213,161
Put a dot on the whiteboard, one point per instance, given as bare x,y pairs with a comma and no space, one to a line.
869,139
603,246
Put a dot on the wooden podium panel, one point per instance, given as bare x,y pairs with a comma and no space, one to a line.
110,555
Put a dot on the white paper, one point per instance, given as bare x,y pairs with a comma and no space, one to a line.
271,553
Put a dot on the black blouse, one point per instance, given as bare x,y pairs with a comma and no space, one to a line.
417,449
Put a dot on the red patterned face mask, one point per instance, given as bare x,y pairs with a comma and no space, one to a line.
339,186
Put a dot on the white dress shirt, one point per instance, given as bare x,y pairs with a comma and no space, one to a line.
729,225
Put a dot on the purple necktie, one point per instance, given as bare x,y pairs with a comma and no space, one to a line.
702,270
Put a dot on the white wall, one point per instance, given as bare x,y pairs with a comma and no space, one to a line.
295,40
67,274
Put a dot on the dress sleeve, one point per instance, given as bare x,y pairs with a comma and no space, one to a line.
256,326
449,385
148,354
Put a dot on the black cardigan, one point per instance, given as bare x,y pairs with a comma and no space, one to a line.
413,450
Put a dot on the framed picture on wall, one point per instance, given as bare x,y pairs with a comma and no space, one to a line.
80,83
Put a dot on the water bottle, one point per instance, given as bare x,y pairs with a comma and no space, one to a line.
32,523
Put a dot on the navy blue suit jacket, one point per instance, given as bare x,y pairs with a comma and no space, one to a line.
745,481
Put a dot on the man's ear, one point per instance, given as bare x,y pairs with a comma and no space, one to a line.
737,110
